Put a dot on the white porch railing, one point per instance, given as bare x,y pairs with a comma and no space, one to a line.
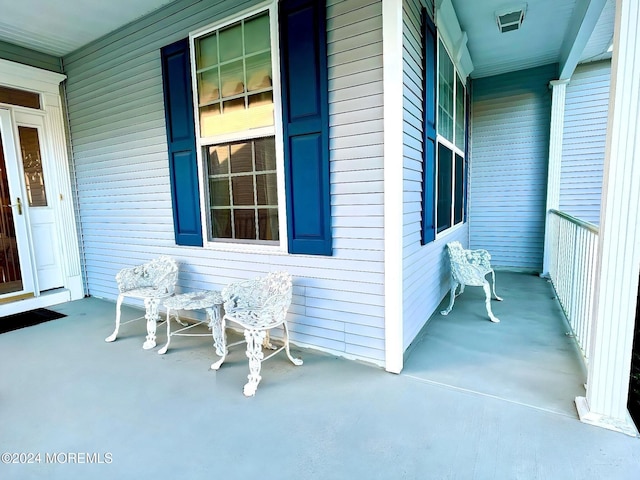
572,270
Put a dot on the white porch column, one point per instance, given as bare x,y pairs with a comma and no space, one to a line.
605,404
555,161
393,184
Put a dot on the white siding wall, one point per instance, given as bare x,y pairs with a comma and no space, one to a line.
510,145
585,132
118,132
426,270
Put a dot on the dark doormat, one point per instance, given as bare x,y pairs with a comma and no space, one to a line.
27,319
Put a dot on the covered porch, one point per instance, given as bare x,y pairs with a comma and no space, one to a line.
489,383
475,400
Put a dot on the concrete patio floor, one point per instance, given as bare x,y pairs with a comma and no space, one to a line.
476,400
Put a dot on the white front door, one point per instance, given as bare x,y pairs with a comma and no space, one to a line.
40,196
34,237
16,271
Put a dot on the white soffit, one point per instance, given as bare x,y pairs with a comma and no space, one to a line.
60,27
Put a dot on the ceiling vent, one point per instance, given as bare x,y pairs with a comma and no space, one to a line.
510,19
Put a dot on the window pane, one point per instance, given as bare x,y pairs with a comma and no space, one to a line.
245,224
235,65
14,96
445,94
208,51
458,207
210,119
32,163
460,114
218,159
241,158
221,223
232,79
241,178
258,72
267,189
219,192
265,154
445,167
242,188
208,86
268,224
231,42
260,110
256,34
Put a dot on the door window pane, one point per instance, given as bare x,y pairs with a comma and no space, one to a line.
13,96
32,163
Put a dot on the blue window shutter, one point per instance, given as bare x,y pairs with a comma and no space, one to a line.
429,129
305,112
181,143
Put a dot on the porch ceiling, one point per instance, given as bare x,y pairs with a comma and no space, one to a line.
562,31
58,28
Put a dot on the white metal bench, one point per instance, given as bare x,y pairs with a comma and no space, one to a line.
470,267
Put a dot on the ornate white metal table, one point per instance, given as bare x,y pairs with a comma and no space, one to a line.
208,300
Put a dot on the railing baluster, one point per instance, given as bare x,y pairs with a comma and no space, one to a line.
572,272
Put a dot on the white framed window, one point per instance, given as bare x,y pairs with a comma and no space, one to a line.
450,143
238,130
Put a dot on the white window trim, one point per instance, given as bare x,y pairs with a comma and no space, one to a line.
275,130
448,143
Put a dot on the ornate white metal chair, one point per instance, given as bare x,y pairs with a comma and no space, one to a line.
470,267
152,282
257,306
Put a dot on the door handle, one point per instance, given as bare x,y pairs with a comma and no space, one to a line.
17,204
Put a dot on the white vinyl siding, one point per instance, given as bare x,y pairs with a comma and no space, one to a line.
120,152
510,149
425,267
584,136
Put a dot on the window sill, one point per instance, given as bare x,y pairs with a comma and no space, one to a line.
450,231
246,248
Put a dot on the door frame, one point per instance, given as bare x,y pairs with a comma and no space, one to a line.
48,85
